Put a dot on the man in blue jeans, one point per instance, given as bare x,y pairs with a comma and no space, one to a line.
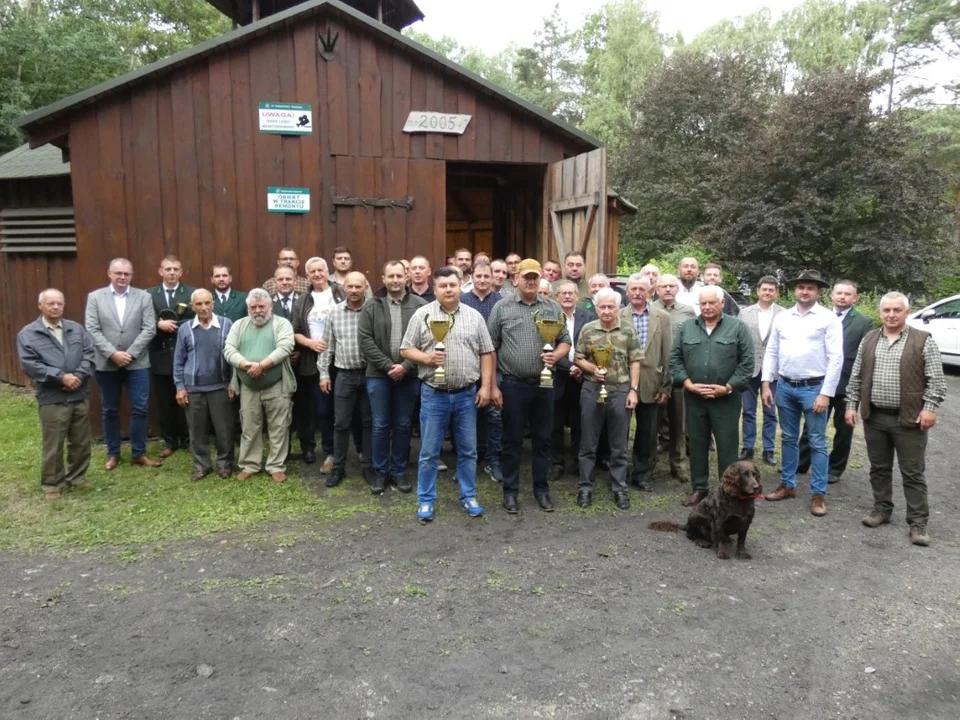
804,356
467,359
392,383
122,322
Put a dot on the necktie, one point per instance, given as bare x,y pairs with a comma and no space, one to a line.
286,304
839,314
223,299
170,298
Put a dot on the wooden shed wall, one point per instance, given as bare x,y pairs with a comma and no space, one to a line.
179,166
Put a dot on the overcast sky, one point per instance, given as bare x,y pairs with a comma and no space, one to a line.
493,24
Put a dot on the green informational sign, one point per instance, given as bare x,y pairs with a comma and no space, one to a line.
288,200
285,118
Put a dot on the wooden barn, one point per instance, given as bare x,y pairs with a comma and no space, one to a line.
313,125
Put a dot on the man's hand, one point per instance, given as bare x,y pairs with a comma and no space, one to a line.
318,346
294,358
821,404
121,358
575,371
70,382
600,374
230,393
927,419
631,399
254,370
483,397
496,397
549,358
396,372
326,386
851,417
182,399
167,326
766,395
437,357
712,392
661,399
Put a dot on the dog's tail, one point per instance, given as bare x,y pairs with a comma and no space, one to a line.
665,526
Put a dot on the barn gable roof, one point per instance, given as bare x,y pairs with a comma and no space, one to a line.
38,121
22,163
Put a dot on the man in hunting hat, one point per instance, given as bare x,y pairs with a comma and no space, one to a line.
804,356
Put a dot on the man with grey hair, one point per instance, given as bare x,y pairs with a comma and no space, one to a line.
897,382
58,356
259,347
652,272
712,360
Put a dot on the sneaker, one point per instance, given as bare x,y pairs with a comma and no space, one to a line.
327,464
441,466
918,534
379,484
425,512
494,472
472,507
875,519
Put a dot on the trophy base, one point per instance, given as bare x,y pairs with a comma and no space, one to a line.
602,397
546,378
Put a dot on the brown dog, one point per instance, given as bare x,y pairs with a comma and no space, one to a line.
723,512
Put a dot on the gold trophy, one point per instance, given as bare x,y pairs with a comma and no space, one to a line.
549,330
439,330
601,356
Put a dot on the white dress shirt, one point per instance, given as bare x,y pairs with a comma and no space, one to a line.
764,318
841,314
120,300
804,346
213,322
690,297
571,321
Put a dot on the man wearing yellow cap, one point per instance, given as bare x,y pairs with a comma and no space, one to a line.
519,360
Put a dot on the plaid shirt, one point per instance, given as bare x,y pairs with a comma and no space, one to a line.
342,341
301,286
466,341
641,322
516,338
885,392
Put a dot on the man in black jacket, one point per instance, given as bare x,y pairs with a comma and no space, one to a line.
392,382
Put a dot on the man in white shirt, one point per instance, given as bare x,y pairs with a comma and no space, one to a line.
759,319
804,356
689,293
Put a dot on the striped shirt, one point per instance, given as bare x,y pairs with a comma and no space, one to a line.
516,338
466,341
342,341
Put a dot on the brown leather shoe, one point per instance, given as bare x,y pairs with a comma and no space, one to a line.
52,495
224,473
112,463
694,498
244,476
167,452
818,506
144,461
781,493
199,475
279,477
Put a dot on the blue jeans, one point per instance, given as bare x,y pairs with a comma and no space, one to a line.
750,418
392,404
794,403
137,383
437,410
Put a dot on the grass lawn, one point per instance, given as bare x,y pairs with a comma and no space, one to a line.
134,505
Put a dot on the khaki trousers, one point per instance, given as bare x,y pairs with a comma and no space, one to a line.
272,405
61,422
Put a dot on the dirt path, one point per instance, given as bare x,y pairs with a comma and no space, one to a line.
562,615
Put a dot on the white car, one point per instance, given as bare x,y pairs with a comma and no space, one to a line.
942,320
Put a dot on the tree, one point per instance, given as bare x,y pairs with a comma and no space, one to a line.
549,73
829,183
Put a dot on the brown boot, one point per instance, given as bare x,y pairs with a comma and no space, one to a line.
875,519
818,506
694,498
781,493
919,535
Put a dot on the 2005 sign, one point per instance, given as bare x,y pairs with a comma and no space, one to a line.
425,121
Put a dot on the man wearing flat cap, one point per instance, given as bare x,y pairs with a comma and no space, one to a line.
520,358
804,356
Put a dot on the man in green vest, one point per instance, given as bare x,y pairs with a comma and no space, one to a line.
897,382
259,348
227,302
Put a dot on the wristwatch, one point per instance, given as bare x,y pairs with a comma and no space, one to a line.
729,388
635,389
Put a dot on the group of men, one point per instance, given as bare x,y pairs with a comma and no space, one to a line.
325,353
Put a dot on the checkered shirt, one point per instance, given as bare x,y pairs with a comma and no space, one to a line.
301,286
342,341
885,392
641,322
467,340
516,338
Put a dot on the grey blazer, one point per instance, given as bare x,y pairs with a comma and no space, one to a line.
133,335
751,316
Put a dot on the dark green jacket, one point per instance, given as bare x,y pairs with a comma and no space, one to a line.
163,344
234,308
855,328
725,356
374,333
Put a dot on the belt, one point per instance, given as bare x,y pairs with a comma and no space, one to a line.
471,386
351,370
808,382
886,411
522,381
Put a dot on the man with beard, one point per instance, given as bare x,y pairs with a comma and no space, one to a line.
713,275
573,270
227,302
689,290
259,347
463,259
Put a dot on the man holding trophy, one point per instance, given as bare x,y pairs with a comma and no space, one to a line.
450,344
609,354
529,332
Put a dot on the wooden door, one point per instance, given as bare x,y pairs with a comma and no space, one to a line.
575,210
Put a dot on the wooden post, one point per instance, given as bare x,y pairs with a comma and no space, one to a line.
255,11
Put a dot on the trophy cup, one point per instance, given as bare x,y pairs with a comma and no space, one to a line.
601,356
439,330
549,330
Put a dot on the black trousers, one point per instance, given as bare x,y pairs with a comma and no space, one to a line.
305,402
525,403
173,420
842,440
356,428
566,411
351,407
645,442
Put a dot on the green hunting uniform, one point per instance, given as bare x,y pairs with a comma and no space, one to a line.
235,306
722,357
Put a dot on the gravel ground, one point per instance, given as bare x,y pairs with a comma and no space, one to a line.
572,614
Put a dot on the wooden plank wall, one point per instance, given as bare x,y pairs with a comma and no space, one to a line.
179,165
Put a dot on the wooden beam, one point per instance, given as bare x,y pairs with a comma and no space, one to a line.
575,202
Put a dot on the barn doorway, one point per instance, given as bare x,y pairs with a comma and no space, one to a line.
494,207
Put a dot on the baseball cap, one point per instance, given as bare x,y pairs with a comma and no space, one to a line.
528,266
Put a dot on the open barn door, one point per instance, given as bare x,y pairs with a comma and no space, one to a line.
575,210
